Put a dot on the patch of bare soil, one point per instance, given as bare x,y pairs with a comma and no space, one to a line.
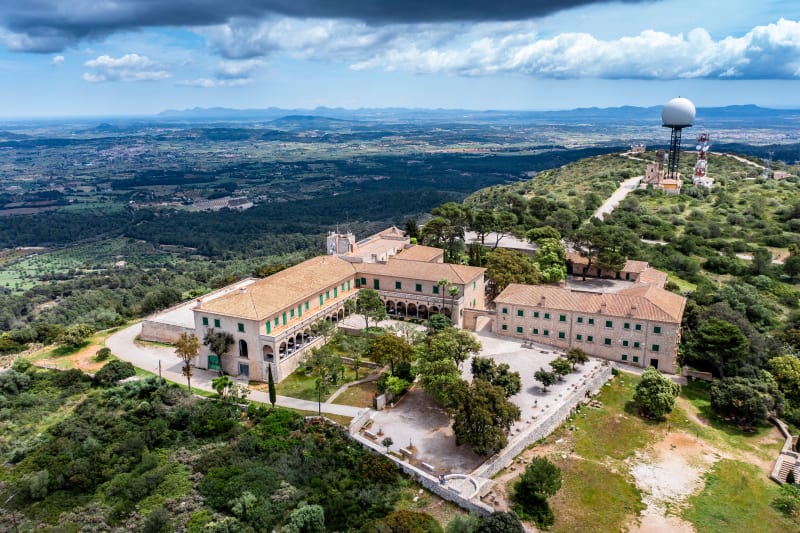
667,474
82,360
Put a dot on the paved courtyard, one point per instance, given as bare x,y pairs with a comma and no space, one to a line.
418,420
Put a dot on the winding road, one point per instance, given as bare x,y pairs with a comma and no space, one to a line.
123,344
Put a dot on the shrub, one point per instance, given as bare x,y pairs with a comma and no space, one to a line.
113,372
102,354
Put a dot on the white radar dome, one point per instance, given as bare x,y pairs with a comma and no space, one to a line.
678,112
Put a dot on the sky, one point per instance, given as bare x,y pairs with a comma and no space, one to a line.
62,58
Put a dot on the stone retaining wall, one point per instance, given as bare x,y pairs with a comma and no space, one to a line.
545,426
786,453
697,374
152,330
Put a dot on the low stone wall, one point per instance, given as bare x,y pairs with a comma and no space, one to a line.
546,425
358,421
155,331
787,454
697,374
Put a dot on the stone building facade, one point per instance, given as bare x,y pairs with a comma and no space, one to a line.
270,319
640,326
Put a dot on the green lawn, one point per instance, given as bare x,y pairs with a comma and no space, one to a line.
302,386
616,431
358,395
593,498
736,498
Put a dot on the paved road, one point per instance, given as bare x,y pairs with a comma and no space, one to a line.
614,200
147,357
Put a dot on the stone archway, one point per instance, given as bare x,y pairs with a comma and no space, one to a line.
411,311
268,353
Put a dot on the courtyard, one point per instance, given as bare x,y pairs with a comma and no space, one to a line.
417,421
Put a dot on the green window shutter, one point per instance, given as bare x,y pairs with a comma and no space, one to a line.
299,310
321,300
363,282
562,318
418,287
205,320
580,320
435,289
474,284
626,325
342,287
535,331
306,305
519,329
607,341
376,284
638,327
635,358
562,335
216,323
269,327
505,310
625,343
547,316
276,322
546,333
398,285
536,314
504,327
284,319
591,321
656,329
327,295
579,337
241,327
358,283
624,357
291,313
348,284
609,324
589,338
520,312
335,292
656,347
636,345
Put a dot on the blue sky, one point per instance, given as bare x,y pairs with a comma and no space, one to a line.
89,57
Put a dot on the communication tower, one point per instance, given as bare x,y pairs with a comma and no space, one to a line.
768,166
677,114
700,176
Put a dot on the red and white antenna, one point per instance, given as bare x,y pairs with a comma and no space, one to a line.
701,167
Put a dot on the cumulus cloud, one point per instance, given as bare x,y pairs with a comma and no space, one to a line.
209,83
766,52
129,67
48,26
57,60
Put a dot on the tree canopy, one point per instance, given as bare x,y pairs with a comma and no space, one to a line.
655,394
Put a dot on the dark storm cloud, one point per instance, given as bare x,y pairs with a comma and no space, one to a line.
51,25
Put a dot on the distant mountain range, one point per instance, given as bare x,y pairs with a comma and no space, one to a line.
594,115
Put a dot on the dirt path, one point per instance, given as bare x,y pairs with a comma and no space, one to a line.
669,473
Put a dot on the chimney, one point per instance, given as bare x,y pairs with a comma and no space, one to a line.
633,310
543,300
242,290
602,308
199,303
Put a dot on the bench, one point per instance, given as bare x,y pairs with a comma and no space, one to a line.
406,452
428,467
370,434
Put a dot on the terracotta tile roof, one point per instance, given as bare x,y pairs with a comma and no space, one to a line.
285,289
631,265
393,233
652,276
421,253
644,302
421,270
